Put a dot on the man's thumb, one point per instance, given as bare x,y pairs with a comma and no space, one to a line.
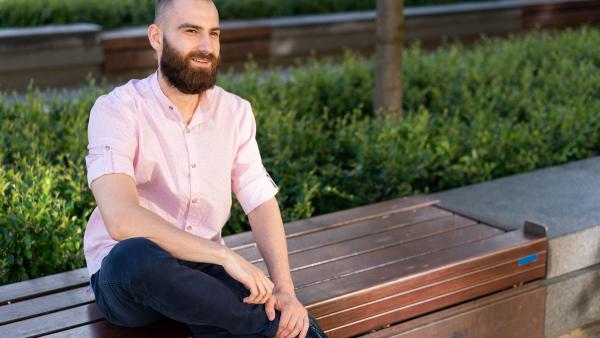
270,308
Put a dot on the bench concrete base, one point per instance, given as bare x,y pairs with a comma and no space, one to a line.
573,300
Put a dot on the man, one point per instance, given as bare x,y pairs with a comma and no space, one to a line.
165,153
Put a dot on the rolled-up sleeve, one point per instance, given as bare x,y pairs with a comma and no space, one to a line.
250,181
111,141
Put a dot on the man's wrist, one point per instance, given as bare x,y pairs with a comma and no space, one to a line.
223,254
284,286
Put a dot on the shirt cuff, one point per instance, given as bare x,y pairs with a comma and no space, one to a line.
105,162
256,193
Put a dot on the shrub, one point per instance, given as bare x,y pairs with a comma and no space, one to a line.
502,107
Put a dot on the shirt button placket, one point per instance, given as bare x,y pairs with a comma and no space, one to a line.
193,212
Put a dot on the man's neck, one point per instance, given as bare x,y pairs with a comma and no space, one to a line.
185,103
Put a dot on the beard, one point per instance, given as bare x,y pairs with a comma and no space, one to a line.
181,74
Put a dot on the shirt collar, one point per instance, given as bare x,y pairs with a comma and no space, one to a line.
201,115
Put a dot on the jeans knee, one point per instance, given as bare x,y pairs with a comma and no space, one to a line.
134,256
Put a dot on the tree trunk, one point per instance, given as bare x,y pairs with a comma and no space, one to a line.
389,43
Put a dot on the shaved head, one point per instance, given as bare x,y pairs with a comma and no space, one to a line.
162,8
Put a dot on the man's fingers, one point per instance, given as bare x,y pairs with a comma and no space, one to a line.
305,327
252,295
270,308
298,326
268,290
284,322
264,292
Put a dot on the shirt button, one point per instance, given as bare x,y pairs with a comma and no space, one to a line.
189,228
194,200
171,107
193,165
187,130
107,148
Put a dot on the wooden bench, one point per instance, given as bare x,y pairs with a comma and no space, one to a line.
357,271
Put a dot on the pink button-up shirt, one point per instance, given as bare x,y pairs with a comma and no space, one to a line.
183,173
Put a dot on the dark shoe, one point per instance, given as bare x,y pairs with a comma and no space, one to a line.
314,330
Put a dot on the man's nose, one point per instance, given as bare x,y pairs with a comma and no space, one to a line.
205,44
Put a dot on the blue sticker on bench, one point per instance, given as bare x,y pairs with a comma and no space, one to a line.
528,259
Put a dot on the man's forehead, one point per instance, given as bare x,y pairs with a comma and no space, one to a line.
201,13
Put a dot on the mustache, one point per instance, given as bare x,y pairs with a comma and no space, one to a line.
202,55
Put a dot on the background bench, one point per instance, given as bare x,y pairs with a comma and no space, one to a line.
357,271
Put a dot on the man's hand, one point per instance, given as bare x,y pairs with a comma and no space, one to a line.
250,276
294,317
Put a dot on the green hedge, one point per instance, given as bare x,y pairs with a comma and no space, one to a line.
503,107
120,13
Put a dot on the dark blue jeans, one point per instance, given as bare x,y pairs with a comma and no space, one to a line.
139,283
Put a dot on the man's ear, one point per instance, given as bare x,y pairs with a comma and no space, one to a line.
155,37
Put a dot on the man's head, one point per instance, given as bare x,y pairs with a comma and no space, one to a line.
185,35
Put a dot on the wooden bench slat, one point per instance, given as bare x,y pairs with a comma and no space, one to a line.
428,292
43,285
339,218
378,241
388,256
377,321
353,230
53,322
103,329
45,304
355,289
374,242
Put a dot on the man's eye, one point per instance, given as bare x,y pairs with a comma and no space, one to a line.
191,31
214,33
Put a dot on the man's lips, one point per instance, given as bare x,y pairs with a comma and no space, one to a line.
201,60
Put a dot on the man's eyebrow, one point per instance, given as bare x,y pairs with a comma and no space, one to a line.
189,25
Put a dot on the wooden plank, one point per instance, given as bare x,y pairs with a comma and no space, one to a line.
369,285
45,304
53,322
380,241
396,315
116,43
563,20
42,286
513,313
458,19
103,329
556,15
316,274
426,292
511,22
351,231
240,50
129,60
340,218
324,29
229,35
